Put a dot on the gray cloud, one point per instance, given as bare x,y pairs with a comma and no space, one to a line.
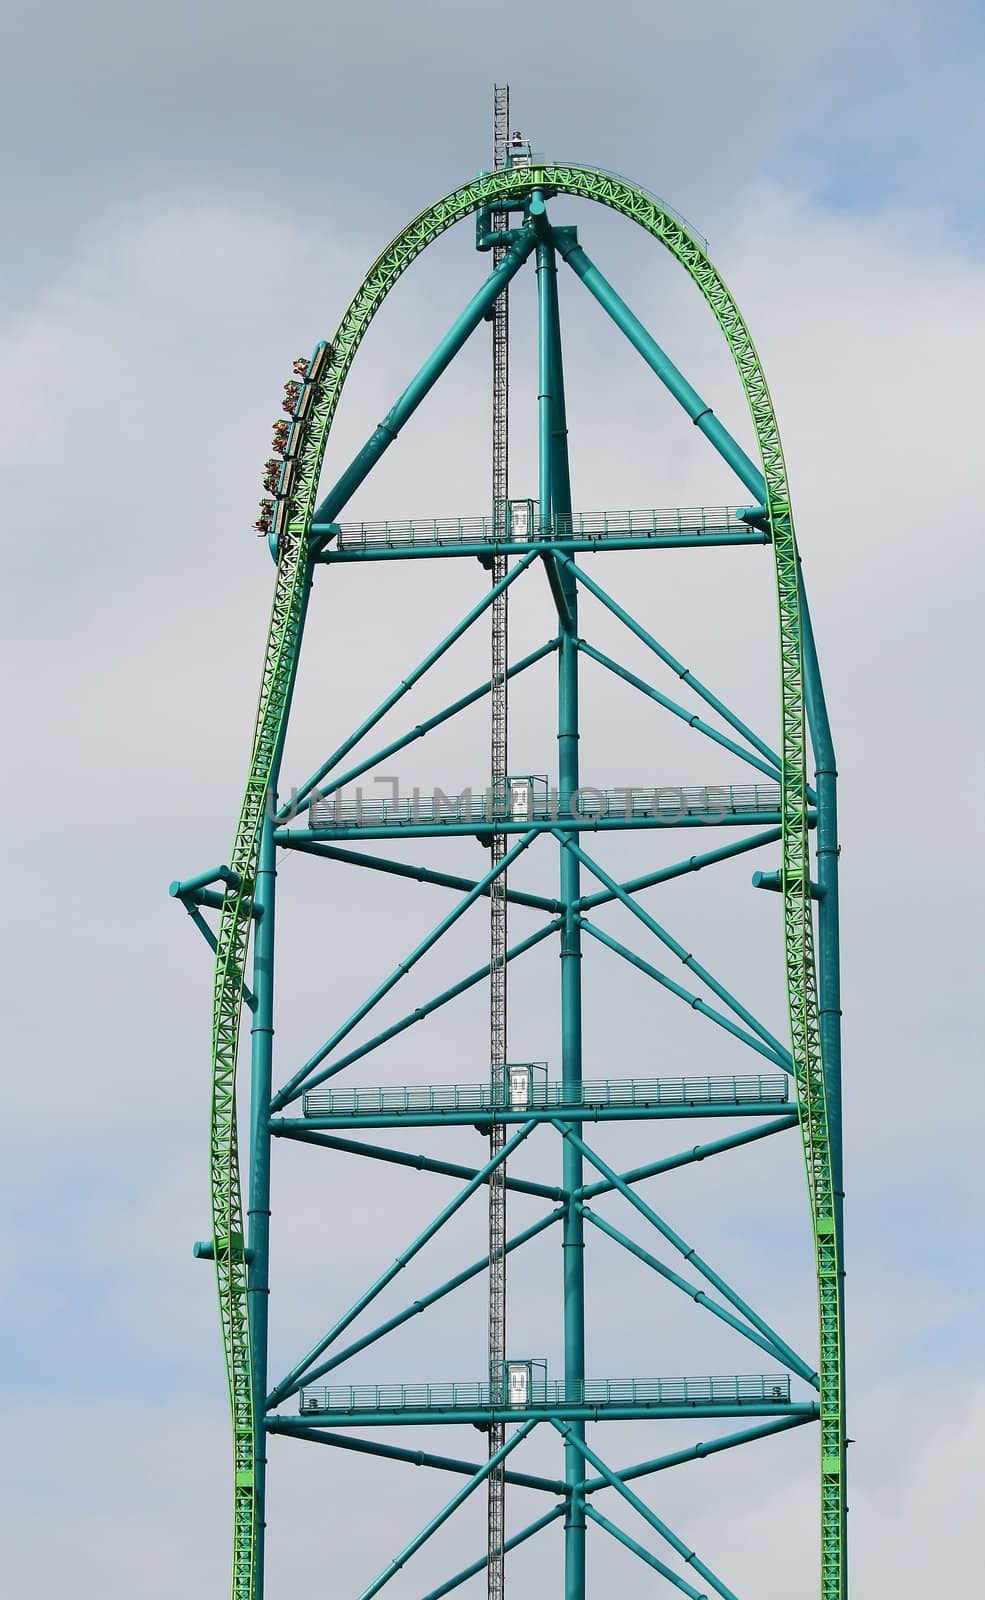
344,115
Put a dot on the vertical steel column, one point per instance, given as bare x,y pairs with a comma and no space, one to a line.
554,492
829,972
828,949
660,363
560,471
499,632
258,1207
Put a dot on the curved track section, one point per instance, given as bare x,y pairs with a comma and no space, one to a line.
303,449
291,522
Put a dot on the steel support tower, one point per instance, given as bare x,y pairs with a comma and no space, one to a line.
498,927
773,808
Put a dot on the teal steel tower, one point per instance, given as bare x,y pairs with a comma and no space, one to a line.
783,819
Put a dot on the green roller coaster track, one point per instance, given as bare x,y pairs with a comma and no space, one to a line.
295,549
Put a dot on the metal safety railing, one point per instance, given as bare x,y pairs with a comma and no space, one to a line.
553,1393
619,1092
595,525
666,803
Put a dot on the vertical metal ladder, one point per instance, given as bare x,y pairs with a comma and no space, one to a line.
497,898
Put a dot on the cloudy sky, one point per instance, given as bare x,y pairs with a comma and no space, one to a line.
190,197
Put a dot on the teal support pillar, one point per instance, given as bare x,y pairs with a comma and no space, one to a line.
828,961
660,363
828,947
258,1205
555,500
560,470
548,377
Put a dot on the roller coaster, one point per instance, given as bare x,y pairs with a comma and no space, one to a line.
785,815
